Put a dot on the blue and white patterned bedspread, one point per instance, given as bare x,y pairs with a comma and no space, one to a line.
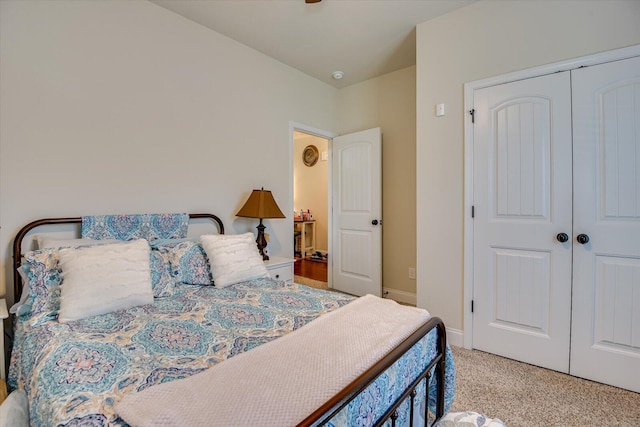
75,373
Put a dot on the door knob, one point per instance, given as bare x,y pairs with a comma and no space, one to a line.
562,237
374,222
582,239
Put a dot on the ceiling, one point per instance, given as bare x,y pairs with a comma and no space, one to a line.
362,38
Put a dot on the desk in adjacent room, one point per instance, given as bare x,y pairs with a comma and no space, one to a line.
307,240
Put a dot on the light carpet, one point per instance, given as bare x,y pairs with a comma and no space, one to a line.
310,282
520,394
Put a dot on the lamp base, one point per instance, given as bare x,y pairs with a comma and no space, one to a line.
261,241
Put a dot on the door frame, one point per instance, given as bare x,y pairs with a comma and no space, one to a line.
293,126
469,88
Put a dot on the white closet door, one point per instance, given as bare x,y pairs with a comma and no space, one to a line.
605,342
522,199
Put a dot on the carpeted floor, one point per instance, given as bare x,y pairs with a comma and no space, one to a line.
524,395
310,282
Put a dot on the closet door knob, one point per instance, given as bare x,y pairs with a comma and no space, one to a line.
562,237
582,239
374,222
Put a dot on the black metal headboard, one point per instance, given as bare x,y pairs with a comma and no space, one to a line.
17,242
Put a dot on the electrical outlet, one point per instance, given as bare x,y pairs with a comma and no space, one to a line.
412,273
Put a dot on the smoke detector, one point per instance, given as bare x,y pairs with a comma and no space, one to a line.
337,75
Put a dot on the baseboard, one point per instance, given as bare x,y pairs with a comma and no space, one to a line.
455,337
400,296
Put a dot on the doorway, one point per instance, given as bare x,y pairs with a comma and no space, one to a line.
311,208
351,187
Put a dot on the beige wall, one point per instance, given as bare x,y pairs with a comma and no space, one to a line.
389,102
310,186
125,107
481,40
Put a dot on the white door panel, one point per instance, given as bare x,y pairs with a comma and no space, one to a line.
606,291
357,201
522,199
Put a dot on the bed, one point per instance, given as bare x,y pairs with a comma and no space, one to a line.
82,366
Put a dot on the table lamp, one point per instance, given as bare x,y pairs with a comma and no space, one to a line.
261,205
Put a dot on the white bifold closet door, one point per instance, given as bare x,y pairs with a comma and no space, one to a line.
557,222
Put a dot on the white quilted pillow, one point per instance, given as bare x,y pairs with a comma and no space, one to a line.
233,258
101,279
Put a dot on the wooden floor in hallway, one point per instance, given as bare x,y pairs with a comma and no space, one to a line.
316,270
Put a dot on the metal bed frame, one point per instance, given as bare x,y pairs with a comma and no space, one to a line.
323,414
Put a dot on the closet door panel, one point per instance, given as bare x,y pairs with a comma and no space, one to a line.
522,199
605,340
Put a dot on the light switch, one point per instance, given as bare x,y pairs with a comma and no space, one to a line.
439,110
324,156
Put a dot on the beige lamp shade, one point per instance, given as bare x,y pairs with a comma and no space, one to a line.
260,204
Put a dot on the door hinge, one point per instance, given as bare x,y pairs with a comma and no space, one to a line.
473,211
472,306
473,115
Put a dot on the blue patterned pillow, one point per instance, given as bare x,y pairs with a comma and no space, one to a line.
43,272
170,243
189,263
161,280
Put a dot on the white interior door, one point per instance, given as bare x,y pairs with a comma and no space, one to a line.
522,201
605,342
357,213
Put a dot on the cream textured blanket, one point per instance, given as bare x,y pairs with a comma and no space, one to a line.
281,382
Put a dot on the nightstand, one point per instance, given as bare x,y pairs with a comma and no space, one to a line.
280,268
3,315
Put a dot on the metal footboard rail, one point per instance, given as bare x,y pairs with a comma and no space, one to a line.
326,412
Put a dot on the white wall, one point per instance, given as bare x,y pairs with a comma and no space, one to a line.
481,40
125,107
388,101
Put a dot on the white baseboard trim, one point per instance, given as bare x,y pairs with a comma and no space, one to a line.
400,296
455,337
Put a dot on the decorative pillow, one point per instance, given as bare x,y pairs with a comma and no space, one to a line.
45,242
41,279
468,419
233,258
161,280
189,263
24,297
14,411
102,279
41,269
169,243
